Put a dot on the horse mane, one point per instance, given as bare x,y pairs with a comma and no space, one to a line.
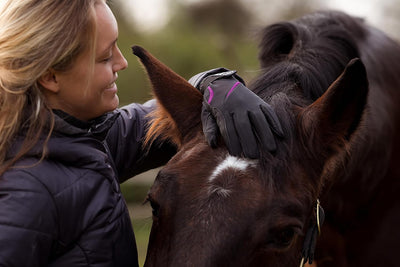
161,126
308,53
300,59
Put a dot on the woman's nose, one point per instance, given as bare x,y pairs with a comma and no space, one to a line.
121,62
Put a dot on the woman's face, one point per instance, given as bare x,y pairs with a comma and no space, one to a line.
85,92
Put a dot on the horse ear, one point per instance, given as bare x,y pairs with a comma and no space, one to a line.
277,42
333,118
179,102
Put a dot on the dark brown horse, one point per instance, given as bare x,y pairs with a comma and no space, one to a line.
334,82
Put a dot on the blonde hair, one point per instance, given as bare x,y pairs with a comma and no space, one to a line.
36,36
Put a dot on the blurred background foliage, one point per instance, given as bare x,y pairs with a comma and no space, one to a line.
198,37
201,35
206,34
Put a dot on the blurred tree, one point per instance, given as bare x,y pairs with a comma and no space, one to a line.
224,22
265,12
295,9
228,17
208,34
200,36
186,45
391,9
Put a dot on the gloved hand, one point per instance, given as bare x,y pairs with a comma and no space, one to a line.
244,120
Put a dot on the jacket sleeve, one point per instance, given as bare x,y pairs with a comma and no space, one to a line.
125,142
27,221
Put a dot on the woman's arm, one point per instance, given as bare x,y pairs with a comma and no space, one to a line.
125,142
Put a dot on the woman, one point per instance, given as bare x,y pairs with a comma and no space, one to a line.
64,145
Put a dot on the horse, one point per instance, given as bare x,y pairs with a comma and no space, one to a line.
334,82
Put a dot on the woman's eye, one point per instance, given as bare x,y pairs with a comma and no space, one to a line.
105,58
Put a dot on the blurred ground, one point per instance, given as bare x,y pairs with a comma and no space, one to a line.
141,220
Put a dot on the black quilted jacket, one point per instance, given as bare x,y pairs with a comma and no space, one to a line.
68,210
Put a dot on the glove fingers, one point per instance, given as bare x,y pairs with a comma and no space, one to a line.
263,132
210,127
246,135
272,119
229,135
220,124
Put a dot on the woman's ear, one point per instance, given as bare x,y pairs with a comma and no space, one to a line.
49,81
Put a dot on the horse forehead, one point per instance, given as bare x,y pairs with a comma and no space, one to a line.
232,163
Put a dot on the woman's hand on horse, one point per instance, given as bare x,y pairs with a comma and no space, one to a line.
246,122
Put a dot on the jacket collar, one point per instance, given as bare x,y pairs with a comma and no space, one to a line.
69,132
66,124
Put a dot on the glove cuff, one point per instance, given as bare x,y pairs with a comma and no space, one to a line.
201,80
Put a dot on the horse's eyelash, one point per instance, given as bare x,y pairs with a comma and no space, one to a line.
146,200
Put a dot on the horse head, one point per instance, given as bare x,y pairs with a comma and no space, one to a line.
214,209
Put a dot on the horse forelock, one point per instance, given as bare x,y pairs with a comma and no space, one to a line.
309,53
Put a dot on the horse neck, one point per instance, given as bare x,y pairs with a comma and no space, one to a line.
370,164
376,146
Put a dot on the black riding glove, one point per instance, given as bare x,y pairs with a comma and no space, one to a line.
243,118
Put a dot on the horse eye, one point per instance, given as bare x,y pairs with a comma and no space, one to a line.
155,207
286,236
283,238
